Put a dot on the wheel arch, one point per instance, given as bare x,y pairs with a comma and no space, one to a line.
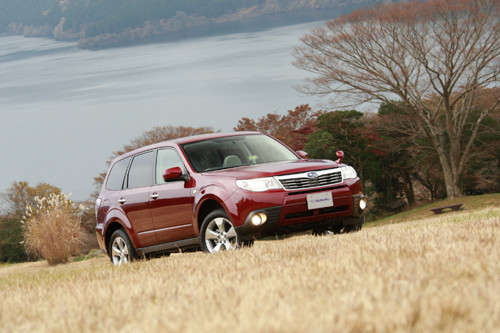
116,219
213,197
206,208
112,227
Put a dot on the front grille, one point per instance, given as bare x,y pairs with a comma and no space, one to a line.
302,181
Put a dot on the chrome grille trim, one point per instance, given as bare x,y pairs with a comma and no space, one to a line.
302,181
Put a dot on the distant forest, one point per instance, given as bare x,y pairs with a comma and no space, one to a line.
107,23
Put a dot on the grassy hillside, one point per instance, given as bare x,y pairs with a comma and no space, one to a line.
470,203
439,273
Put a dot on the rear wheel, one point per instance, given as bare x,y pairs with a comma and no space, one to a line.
120,249
218,233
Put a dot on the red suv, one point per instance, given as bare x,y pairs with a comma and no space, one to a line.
218,192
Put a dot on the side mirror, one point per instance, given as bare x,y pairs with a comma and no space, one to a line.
174,173
340,155
303,154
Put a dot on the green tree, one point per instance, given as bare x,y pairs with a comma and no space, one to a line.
11,237
343,130
404,154
350,132
482,172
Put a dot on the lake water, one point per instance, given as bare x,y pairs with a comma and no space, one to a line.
65,110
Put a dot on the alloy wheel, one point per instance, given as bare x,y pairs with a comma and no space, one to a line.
120,253
220,235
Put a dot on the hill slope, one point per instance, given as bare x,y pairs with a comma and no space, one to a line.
106,23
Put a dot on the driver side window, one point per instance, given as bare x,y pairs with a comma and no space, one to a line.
166,159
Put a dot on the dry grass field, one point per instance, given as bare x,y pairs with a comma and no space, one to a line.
438,274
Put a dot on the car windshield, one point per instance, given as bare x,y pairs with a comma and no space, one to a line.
233,151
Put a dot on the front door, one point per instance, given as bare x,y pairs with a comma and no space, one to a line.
171,202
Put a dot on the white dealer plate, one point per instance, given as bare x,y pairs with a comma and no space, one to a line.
319,200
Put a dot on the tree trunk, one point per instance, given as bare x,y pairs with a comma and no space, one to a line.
451,180
438,139
410,195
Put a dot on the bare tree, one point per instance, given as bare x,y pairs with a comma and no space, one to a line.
20,195
433,56
162,133
292,128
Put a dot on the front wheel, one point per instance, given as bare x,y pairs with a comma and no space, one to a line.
218,233
321,232
356,226
120,249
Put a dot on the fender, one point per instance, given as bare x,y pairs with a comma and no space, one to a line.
116,215
212,192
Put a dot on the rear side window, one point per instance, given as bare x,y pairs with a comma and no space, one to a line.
141,171
117,174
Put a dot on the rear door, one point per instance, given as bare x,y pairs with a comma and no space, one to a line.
134,198
172,201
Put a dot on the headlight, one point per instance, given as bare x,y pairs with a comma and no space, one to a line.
258,184
348,172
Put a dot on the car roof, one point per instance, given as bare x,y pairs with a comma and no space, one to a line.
202,137
184,140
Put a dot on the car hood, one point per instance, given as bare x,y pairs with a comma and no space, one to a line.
273,169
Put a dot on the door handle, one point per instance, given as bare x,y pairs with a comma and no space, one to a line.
122,200
154,196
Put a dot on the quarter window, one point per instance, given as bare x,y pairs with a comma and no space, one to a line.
141,170
117,174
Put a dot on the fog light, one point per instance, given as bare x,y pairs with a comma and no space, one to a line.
258,219
362,203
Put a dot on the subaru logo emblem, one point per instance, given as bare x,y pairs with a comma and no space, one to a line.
312,174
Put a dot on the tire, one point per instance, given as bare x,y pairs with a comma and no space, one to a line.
247,243
321,232
218,233
354,227
337,229
120,249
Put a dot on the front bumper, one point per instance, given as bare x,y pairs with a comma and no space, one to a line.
295,217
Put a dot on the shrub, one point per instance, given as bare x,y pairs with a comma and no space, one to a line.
52,229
